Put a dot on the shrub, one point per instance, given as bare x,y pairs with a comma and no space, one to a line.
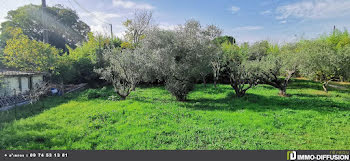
125,69
77,66
91,94
96,93
179,88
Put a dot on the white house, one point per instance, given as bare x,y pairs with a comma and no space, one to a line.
18,82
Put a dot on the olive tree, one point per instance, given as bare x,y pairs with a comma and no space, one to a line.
170,65
193,48
279,66
319,62
340,42
241,71
217,65
218,62
211,33
343,62
124,69
180,56
258,50
243,76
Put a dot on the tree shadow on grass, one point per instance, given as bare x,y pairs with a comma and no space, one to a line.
263,103
304,84
320,103
308,95
308,84
345,91
210,89
25,111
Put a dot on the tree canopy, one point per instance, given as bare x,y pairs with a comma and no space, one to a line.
29,55
63,24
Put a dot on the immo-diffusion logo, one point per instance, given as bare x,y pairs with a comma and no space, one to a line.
292,155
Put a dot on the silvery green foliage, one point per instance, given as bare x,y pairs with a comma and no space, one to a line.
182,56
243,75
125,69
319,61
324,63
211,32
343,63
284,62
158,44
217,63
241,71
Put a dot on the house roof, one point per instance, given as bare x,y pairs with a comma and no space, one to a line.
17,73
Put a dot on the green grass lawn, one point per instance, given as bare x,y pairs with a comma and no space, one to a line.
212,119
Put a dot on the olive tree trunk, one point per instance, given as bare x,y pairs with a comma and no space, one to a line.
204,81
280,84
240,88
324,86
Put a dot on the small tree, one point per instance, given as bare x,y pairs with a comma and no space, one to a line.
242,77
125,69
278,63
340,42
217,65
319,62
343,65
241,71
211,33
181,57
217,62
77,66
190,59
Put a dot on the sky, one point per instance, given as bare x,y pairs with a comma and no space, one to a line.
278,21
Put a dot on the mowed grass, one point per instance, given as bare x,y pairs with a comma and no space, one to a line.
212,119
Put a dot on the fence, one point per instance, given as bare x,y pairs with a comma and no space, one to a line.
13,100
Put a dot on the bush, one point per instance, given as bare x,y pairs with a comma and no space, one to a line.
96,93
91,94
78,65
179,88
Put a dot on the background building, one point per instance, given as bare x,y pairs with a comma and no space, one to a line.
18,82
